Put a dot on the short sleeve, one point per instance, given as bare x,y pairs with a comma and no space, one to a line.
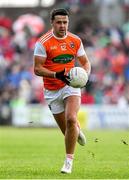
39,50
81,50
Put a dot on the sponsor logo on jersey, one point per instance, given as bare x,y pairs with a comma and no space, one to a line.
53,47
63,59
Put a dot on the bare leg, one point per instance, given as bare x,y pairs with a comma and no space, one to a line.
60,119
67,122
72,105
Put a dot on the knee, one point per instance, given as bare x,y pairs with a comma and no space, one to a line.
71,120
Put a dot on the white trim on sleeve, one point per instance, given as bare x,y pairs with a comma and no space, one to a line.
81,51
39,50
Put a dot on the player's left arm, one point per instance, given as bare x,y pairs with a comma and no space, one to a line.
83,59
85,63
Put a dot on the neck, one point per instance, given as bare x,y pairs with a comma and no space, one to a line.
58,36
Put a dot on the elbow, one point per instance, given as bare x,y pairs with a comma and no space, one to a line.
36,71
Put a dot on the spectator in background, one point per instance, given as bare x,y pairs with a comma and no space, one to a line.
110,13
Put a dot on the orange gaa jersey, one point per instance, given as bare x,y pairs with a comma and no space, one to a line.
60,53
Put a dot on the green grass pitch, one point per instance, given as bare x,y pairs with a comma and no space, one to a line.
38,153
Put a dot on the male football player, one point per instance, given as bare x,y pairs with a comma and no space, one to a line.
54,55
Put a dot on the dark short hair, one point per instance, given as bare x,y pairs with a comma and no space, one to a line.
56,12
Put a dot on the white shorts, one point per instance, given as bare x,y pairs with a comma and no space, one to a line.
55,99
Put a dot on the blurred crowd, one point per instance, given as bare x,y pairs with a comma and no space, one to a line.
18,84
108,51
106,46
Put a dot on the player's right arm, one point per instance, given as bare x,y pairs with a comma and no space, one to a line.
39,60
39,70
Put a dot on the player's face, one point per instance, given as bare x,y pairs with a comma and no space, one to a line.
60,25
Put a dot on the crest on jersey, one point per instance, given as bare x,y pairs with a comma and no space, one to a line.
72,45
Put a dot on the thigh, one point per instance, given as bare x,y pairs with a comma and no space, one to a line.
72,106
60,119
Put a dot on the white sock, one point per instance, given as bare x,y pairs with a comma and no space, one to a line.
70,157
